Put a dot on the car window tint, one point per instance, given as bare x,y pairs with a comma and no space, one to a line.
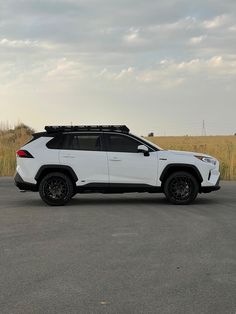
121,143
58,142
91,142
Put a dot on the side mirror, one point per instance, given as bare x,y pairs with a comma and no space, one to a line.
143,149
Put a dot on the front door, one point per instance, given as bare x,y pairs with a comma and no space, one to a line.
127,165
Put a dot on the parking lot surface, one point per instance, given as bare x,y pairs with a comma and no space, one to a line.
128,253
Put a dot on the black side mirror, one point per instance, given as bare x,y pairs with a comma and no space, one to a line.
143,149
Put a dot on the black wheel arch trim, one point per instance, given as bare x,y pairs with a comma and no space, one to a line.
181,167
55,167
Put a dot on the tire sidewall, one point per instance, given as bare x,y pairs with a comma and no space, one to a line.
56,202
194,188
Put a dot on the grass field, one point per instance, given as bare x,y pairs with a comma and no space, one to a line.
10,141
222,147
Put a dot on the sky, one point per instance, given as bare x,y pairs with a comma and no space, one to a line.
157,66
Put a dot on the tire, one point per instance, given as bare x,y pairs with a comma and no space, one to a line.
56,189
181,188
73,194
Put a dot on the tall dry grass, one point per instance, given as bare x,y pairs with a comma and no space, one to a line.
221,147
10,141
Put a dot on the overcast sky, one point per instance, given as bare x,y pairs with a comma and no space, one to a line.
160,66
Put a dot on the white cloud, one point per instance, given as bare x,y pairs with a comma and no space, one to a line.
185,23
133,37
62,66
215,68
216,22
16,43
216,61
197,40
125,73
169,73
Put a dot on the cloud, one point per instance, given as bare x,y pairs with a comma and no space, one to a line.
169,74
214,69
66,70
125,73
79,26
62,67
88,49
216,22
133,37
197,40
18,44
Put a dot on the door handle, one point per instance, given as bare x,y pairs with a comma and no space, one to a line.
68,156
115,159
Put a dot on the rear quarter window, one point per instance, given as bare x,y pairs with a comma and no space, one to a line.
55,143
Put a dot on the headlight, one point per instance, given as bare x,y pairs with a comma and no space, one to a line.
208,160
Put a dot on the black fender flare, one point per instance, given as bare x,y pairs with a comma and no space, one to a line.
181,167
55,167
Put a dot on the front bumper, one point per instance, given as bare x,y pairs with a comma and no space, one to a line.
24,186
208,189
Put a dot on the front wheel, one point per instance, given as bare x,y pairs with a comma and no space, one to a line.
181,188
56,189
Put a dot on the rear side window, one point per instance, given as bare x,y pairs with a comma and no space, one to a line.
91,142
122,143
87,142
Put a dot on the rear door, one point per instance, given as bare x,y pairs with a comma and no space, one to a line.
127,165
84,153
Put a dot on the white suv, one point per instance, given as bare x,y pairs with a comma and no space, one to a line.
66,160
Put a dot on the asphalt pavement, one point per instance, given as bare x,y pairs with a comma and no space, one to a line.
122,254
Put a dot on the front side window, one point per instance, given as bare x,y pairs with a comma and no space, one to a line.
122,143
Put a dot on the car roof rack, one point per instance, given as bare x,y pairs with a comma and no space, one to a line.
76,128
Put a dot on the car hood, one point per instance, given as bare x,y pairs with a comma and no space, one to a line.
181,152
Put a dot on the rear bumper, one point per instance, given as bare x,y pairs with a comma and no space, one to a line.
208,189
24,186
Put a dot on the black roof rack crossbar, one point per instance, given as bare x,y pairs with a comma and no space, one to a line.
76,128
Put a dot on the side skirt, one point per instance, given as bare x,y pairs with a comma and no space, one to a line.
117,188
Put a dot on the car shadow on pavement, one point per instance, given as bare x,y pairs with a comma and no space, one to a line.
117,200
131,201
81,200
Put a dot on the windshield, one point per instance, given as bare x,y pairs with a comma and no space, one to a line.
149,143
153,144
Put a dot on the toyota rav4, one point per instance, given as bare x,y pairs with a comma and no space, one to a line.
65,160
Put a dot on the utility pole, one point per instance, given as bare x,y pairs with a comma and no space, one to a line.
203,128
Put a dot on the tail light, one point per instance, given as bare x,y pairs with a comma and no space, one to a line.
23,154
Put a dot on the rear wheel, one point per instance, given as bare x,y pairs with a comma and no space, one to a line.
181,188
56,189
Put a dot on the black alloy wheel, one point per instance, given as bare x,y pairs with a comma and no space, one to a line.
181,188
56,189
